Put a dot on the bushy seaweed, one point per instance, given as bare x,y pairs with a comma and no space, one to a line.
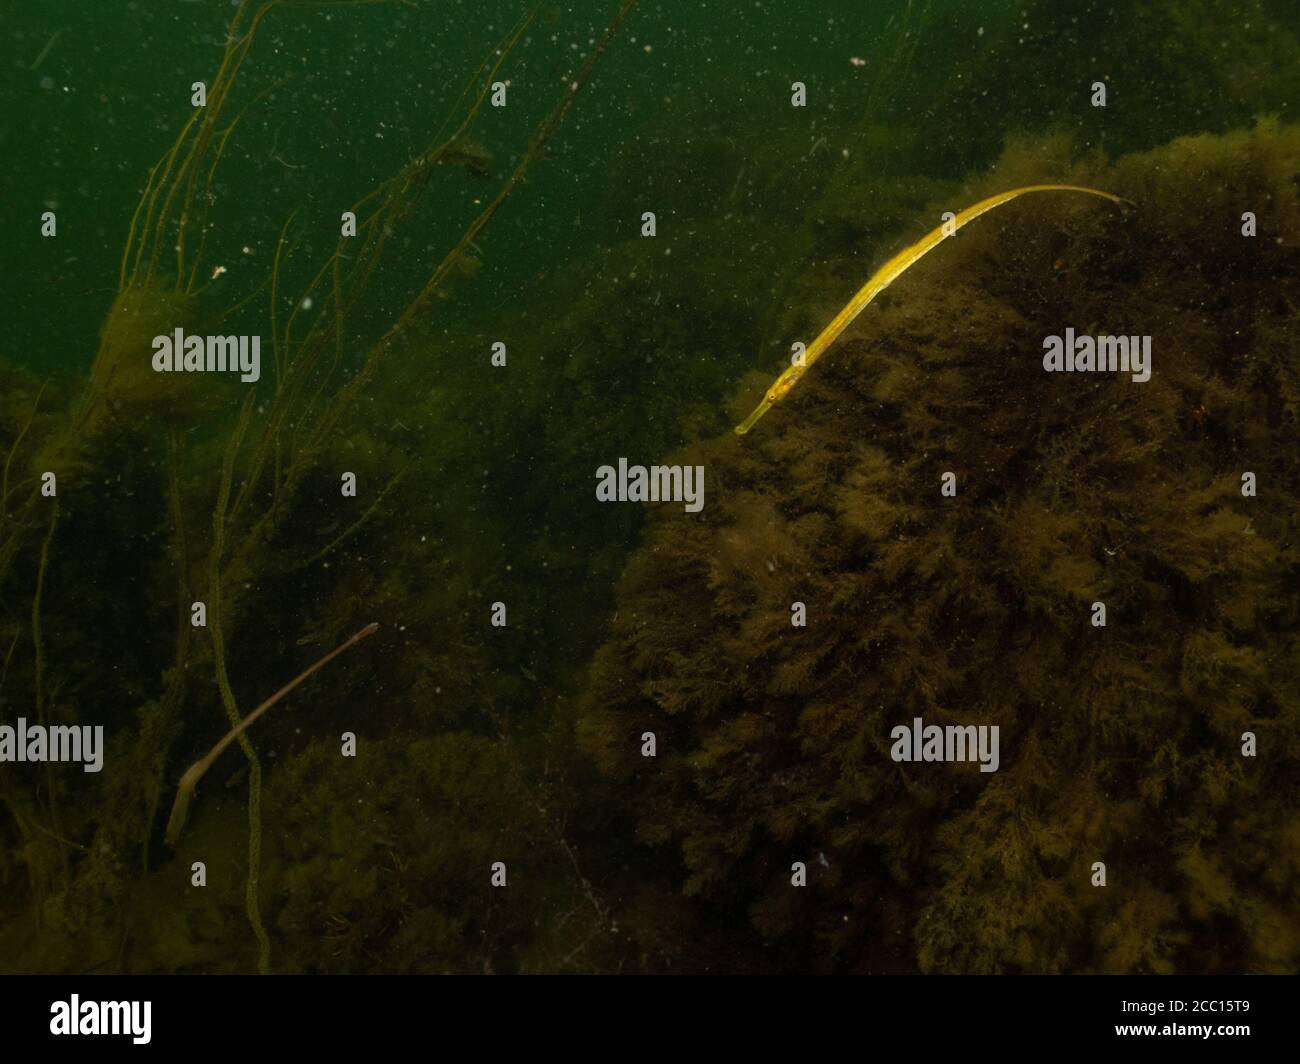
478,744
1120,744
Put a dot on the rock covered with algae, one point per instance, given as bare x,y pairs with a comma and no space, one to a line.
1120,744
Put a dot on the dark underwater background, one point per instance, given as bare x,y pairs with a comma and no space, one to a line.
521,744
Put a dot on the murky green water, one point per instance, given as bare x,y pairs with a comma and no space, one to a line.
602,734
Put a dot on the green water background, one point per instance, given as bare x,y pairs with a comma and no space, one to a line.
688,115
683,95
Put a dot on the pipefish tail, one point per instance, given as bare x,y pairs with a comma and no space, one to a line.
887,275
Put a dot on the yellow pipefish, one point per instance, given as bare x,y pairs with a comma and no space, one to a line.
883,278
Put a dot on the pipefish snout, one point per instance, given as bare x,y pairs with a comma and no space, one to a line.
884,277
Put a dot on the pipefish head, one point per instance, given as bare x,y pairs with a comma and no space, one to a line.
782,385
779,390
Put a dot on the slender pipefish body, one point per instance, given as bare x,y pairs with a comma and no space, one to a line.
884,277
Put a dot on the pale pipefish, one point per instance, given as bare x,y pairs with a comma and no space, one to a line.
185,791
883,278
